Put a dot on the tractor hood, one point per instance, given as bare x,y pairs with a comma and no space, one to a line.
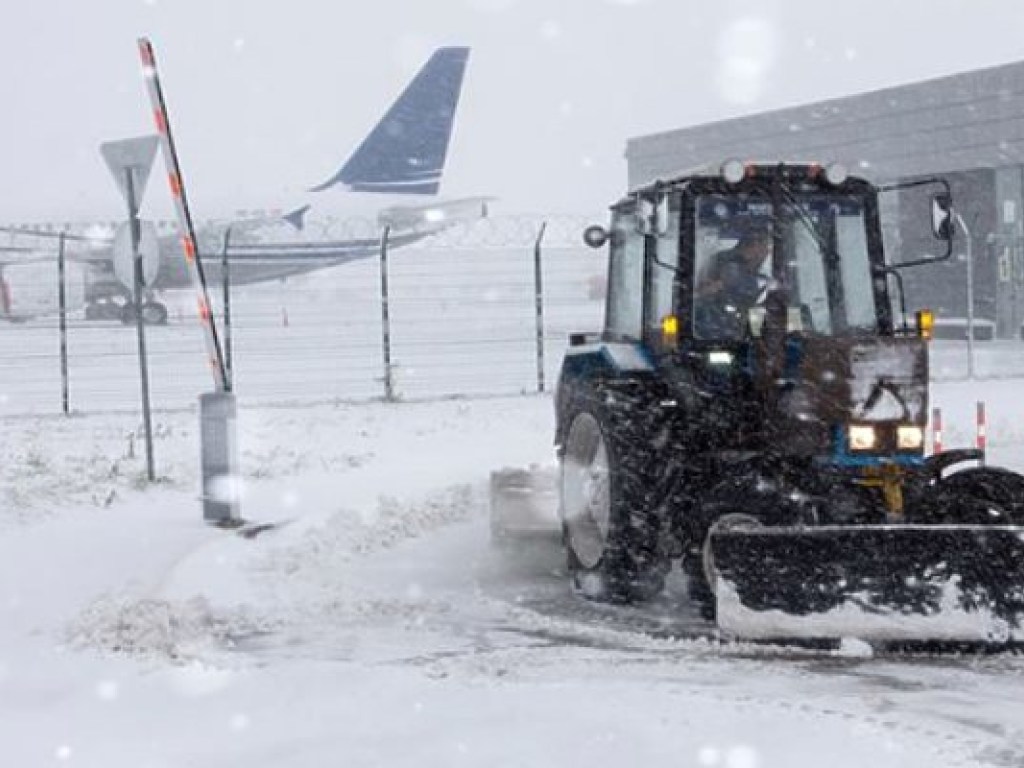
889,381
823,383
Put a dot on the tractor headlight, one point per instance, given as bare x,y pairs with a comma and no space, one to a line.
909,438
862,438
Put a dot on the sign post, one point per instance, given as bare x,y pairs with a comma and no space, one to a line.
129,161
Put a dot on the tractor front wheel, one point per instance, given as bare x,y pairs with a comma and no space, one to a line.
611,536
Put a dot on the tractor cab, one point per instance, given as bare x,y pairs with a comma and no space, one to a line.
762,293
699,258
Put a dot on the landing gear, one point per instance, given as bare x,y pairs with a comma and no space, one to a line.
153,313
103,309
118,308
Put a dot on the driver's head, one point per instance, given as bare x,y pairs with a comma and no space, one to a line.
755,244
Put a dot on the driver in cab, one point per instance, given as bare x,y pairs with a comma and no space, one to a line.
735,275
734,279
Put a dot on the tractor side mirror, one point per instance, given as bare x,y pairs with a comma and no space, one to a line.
595,236
942,217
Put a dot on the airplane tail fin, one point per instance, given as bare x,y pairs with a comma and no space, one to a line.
406,150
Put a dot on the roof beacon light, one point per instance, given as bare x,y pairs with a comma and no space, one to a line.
733,171
836,173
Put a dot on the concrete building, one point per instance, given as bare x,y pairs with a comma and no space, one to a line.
968,128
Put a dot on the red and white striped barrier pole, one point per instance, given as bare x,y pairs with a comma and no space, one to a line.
936,430
215,357
981,426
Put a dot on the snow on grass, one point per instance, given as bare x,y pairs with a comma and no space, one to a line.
150,628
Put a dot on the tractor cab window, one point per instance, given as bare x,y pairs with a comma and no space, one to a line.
828,282
733,265
625,278
823,271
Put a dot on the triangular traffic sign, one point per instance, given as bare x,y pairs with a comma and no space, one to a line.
135,154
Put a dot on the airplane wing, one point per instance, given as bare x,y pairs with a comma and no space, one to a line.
259,262
409,224
435,214
335,251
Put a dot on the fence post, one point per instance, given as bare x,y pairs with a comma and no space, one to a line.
63,305
538,289
981,426
225,273
389,388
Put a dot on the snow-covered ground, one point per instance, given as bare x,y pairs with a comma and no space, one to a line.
378,626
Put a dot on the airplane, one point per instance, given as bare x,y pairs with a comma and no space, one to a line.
404,154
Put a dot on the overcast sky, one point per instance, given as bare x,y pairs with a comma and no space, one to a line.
268,98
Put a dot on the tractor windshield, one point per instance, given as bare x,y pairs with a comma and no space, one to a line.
823,269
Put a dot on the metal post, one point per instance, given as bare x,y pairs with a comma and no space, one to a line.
538,292
225,273
221,481
981,428
970,296
133,222
62,302
389,386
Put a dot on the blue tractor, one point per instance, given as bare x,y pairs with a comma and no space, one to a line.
755,409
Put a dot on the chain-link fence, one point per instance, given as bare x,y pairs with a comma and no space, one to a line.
463,320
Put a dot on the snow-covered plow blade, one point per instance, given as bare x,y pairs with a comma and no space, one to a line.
524,503
882,583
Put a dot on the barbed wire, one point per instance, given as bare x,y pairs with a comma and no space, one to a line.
562,230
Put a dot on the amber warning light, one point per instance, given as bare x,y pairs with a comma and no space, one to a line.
925,323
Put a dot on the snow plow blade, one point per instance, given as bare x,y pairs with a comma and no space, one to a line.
524,503
882,583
